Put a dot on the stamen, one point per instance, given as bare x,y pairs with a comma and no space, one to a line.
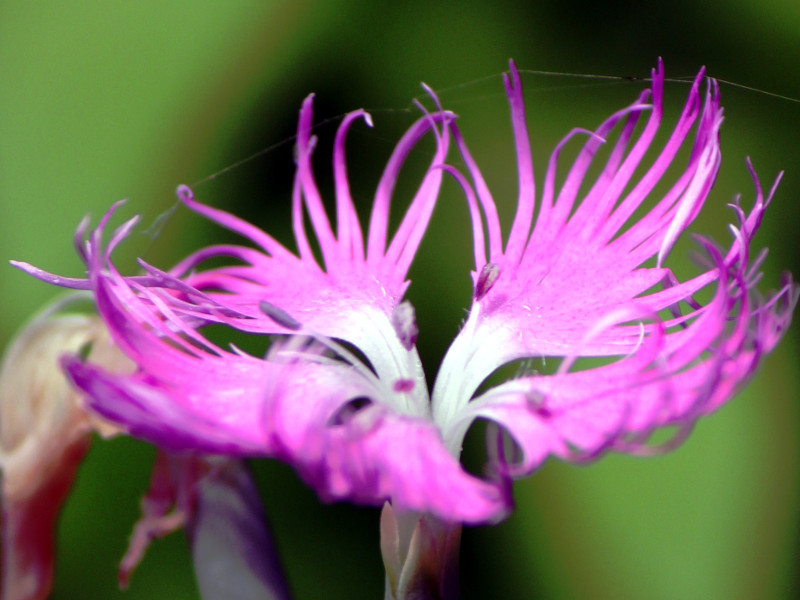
486,280
404,321
280,316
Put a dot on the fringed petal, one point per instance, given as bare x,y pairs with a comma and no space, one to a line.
677,369
585,259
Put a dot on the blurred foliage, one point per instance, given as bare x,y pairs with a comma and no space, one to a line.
101,101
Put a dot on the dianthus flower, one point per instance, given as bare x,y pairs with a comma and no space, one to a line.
341,394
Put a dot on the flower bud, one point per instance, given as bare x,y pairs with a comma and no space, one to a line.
44,434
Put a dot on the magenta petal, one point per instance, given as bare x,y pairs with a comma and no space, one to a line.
348,447
327,298
149,410
404,460
186,394
592,283
584,258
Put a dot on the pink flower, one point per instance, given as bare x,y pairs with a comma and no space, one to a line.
341,393
589,281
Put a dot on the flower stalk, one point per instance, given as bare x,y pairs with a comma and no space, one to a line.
420,555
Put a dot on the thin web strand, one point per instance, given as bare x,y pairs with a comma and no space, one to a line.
155,229
616,79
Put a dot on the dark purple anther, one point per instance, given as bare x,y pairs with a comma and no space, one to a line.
280,316
486,279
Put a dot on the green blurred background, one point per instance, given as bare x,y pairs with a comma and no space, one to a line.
100,101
